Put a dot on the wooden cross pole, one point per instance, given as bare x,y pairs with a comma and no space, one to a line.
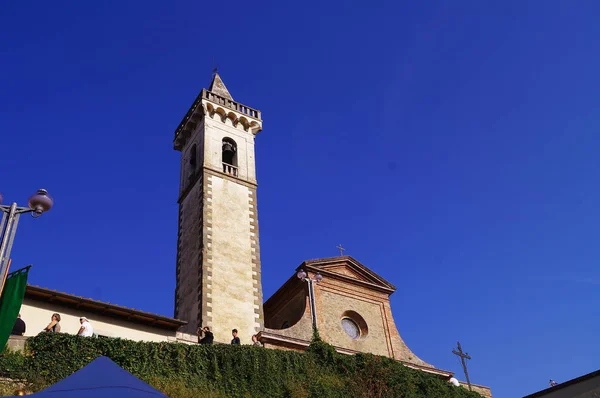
463,356
341,249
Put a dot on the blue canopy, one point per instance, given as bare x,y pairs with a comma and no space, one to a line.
99,379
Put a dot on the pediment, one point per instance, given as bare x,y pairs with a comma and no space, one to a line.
349,269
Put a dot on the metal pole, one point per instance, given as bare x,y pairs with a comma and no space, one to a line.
6,238
313,309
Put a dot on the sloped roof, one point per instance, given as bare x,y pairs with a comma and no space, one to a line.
218,87
103,308
344,267
348,268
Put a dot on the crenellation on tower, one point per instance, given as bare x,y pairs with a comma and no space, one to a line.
218,251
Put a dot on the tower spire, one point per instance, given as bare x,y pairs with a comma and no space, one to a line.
218,87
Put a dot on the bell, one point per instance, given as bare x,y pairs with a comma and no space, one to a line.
228,147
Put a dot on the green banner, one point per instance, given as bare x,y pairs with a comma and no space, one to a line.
10,302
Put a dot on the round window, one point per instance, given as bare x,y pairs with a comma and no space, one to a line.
351,328
354,325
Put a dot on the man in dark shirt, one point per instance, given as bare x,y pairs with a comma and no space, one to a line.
19,328
235,340
208,336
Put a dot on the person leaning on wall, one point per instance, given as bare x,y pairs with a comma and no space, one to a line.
54,325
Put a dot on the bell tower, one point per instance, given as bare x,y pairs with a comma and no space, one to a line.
218,279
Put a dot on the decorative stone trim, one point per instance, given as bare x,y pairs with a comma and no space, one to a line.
256,272
225,176
178,261
206,262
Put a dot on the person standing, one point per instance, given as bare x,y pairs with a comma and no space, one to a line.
208,336
86,329
19,327
54,325
236,339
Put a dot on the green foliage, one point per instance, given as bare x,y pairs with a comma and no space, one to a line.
12,364
220,371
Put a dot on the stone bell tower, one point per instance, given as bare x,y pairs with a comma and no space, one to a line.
218,255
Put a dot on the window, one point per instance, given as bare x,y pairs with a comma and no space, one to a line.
351,328
354,325
229,157
190,168
229,152
193,158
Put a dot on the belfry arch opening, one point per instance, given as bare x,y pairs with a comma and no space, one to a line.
229,157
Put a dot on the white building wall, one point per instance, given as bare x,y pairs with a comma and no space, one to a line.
38,314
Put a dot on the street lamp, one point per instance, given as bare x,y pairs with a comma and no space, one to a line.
303,276
39,203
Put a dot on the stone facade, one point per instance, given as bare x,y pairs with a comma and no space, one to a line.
218,259
349,291
353,314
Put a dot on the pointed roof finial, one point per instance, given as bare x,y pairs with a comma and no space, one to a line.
217,86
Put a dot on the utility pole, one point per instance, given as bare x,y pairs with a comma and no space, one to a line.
463,356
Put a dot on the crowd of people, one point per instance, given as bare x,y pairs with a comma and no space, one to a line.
86,329
205,336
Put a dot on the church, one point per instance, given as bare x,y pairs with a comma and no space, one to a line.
218,268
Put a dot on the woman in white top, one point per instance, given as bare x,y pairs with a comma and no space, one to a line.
86,329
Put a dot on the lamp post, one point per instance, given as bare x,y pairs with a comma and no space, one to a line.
303,276
39,203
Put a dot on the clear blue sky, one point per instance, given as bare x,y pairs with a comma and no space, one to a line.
450,146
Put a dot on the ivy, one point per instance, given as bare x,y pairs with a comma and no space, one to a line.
219,371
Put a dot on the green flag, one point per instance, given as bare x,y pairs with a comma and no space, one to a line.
10,302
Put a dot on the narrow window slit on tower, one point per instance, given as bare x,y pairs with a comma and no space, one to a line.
193,161
229,157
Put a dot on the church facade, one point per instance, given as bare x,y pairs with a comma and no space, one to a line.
218,253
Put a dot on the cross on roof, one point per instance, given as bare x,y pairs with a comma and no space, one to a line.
341,249
463,356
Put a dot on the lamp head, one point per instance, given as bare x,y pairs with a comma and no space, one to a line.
318,277
301,275
40,202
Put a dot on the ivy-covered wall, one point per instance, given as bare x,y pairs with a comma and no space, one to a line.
183,371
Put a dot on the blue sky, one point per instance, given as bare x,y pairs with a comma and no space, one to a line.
451,147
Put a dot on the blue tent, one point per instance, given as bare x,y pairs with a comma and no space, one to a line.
99,379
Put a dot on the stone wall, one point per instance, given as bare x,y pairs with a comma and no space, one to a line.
289,311
481,390
337,299
16,343
232,291
189,258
